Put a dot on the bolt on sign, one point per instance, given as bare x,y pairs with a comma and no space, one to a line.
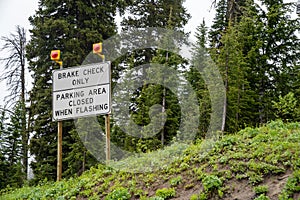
81,91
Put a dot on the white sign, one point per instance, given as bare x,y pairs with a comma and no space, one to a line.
81,91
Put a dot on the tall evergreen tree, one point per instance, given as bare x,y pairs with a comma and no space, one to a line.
161,94
153,13
11,147
219,25
270,44
266,48
144,14
232,65
71,27
14,75
200,59
227,11
3,161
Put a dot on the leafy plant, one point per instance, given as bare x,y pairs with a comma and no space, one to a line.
184,166
118,194
292,186
261,189
194,197
189,186
156,198
166,193
286,107
176,181
211,182
254,177
262,197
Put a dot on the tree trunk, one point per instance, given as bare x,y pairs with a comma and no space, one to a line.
25,133
225,99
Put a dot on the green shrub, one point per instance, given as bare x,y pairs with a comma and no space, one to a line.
118,194
176,181
211,183
189,186
292,186
184,166
166,193
261,189
202,196
262,197
156,198
194,197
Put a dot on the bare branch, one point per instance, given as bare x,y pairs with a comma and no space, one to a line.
14,64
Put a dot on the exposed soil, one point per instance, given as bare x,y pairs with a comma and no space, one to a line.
240,189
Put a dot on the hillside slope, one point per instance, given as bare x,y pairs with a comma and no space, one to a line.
255,163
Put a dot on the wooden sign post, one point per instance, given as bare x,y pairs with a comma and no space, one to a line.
97,49
55,55
78,83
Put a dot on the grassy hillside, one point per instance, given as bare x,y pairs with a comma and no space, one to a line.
255,163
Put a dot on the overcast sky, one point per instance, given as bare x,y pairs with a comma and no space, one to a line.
17,12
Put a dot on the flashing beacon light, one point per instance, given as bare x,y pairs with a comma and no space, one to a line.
55,55
97,48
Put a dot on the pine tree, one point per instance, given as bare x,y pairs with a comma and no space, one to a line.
148,14
227,11
71,27
270,46
161,94
144,14
232,65
219,25
14,75
200,60
12,147
3,161
266,47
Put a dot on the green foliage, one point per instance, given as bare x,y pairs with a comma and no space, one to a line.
189,186
12,148
203,196
200,59
261,189
262,197
194,197
156,198
286,107
71,27
249,156
212,187
256,48
118,194
211,183
165,193
220,23
175,181
292,186
143,14
233,69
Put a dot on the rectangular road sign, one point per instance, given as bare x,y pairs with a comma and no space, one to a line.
81,91
81,76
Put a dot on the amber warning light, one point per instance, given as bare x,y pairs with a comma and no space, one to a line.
55,55
97,48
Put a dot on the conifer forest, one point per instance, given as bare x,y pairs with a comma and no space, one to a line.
253,45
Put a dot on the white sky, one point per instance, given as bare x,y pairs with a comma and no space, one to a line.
17,12
12,13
